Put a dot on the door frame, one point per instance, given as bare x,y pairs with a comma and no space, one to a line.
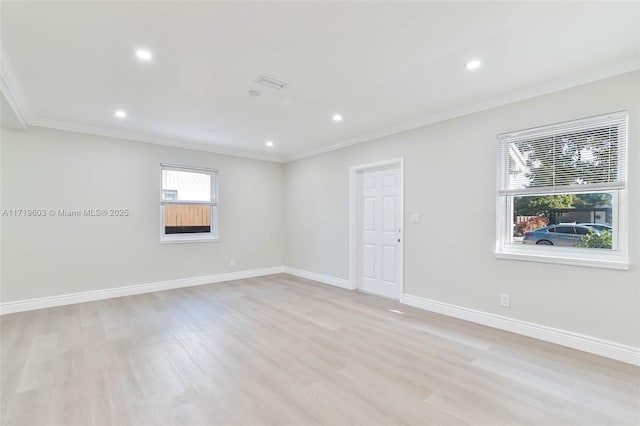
354,220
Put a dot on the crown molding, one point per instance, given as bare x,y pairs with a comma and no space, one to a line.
14,96
11,91
589,76
16,99
138,137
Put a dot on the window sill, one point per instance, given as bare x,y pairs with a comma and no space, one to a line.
610,260
181,239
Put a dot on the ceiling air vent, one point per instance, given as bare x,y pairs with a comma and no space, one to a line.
267,80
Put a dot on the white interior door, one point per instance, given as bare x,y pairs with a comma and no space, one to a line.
380,236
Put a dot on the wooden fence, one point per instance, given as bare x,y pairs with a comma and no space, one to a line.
523,218
187,215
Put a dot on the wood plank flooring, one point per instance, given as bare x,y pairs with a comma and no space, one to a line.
281,350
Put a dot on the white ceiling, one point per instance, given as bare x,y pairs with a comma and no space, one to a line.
385,66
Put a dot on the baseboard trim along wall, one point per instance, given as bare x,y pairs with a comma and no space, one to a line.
594,345
326,279
89,296
585,343
606,348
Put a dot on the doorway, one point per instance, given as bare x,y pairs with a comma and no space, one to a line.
377,228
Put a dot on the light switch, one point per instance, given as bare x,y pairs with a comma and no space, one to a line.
415,218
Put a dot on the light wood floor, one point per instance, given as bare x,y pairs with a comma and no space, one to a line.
280,350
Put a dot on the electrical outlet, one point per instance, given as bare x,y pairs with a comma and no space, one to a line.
505,300
415,218
232,262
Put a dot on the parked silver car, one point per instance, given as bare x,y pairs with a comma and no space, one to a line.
564,234
598,226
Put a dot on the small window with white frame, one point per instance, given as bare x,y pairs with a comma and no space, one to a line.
561,193
188,204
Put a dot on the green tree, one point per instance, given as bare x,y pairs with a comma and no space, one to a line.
569,159
598,199
575,158
540,205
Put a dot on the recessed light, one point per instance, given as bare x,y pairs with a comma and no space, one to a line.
120,113
473,65
144,55
269,143
337,117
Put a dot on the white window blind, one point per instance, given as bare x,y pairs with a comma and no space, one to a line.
186,185
575,156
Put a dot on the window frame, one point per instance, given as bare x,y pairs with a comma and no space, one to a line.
196,237
616,258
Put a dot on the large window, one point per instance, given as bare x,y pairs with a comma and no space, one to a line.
188,204
562,193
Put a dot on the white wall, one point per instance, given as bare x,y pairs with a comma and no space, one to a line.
449,256
61,255
450,261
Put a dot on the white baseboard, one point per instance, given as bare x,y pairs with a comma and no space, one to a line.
326,279
594,345
89,296
606,348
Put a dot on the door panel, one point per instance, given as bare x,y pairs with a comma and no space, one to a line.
389,181
369,214
369,261
389,214
379,232
389,260
369,182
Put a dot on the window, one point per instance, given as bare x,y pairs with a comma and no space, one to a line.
188,204
561,193
583,231
169,194
565,230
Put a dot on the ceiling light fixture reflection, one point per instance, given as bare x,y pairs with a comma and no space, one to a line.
473,65
144,55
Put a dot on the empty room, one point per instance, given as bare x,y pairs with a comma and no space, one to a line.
319,213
